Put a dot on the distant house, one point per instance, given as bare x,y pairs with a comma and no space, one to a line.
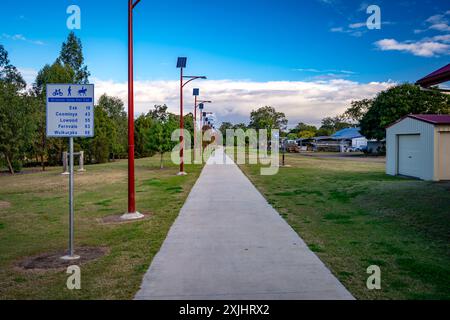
325,144
419,146
350,137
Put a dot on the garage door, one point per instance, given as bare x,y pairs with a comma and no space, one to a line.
409,155
444,156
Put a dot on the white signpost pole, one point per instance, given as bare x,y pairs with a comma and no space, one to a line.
70,113
71,211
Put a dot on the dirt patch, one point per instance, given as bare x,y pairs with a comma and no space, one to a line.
116,219
48,261
4,204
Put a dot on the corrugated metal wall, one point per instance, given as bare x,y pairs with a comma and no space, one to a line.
427,146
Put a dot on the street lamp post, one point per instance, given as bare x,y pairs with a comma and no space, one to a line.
199,104
132,214
196,94
181,64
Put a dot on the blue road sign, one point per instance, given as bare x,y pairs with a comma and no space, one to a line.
70,110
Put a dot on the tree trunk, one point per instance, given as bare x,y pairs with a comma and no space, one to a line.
161,163
8,160
42,152
42,162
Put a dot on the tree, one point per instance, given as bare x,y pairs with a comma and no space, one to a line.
115,111
331,125
242,126
160,133
141,128
397,102
71,55
357,110
159,113
306,134
105,132
267,118
305,131
52,147
16,122
225,126
9,73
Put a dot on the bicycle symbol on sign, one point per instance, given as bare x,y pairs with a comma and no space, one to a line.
57,92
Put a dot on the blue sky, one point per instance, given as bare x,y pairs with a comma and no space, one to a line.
248,41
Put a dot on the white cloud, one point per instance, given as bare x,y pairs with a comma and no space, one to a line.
357,25
443,38
440,27
21,37
234,100
423,48
357,29
437,22
29,75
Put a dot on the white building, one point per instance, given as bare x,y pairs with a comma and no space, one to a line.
419,146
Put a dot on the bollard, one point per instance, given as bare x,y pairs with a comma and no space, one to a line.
65,164
81,169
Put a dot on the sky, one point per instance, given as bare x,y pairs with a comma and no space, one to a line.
307,58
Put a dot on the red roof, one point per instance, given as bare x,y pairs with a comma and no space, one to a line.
432,118
435,119
436,77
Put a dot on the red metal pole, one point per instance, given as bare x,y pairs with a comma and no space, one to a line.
181,124
195,127
131,189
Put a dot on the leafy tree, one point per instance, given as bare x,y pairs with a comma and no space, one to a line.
16,122
189,126
159,113
303,130
242,126
105,132
225,126
141,128
306,134
48,148
267,118
397,102
291,136
357,110
331,125
9,73
71,55
160,134
115,111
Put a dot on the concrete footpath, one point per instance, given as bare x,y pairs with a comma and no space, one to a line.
229,243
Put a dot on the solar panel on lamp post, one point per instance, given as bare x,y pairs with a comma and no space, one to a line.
181,64
131,214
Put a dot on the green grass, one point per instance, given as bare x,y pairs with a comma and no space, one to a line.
352,215
37,222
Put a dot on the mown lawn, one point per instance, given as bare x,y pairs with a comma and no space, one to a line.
34,220
353,215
